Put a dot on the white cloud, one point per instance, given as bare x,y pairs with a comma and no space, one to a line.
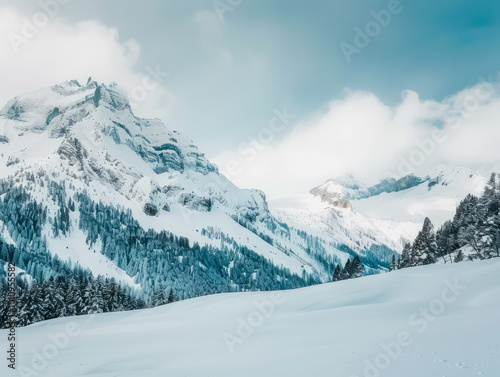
357,134
361,135
57,51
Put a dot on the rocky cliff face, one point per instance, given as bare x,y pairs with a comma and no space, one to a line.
94,134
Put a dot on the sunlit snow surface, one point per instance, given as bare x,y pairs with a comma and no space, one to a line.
334,329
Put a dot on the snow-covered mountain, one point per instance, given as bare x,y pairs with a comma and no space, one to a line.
69,140
87,139
439,320
365,218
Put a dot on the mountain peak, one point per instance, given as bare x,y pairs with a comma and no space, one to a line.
89,136
340,190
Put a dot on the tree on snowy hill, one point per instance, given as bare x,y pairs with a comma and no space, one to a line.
155,259
356,268
347,269
394,264
459,257
47,300
158,298
476,224
337,274
353,268
423,250
465,223
488,220
404,261
171,296
445,240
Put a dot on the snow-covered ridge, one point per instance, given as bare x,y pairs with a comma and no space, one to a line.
345,211
339,191
436,197
345,188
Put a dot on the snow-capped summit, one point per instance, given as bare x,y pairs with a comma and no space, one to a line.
87,137
92,133
445,175
339,190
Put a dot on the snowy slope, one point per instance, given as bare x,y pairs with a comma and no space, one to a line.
346,211
436,197
335,330
343,226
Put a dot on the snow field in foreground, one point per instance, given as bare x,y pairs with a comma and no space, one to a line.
439,320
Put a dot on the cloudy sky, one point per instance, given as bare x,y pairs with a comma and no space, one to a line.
282,94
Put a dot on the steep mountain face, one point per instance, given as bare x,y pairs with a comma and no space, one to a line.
374,220
106,185
92,133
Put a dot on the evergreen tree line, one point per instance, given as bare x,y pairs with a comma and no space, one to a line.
476,224
65,296
353,268
165,266
315,247
161,259
375,258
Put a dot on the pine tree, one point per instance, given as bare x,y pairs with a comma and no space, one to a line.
459,257
346,272
171,296
393,266
488,220
36,309
424,248
159,298
445,240
465,222
337,274
405,256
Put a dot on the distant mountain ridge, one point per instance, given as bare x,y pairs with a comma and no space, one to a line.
339,190
347,212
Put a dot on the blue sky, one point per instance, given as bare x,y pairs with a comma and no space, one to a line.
227,75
